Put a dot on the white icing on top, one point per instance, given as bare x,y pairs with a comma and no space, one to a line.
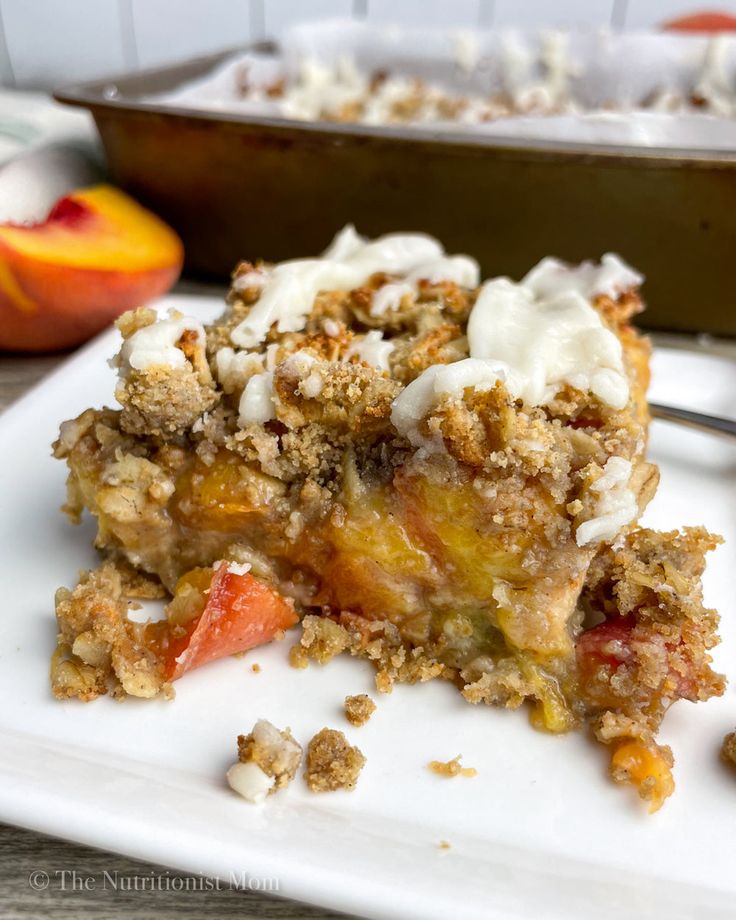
250,781
616,506
257,401
529,91
714,86
549,342
305,367
612,277
466,47
266,735
291,287
461,269
312,384
416,400
389,296
235,368
253,279
155,345
298,364
373,349
537,335
320,89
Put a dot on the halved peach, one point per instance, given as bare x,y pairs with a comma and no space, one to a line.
97,254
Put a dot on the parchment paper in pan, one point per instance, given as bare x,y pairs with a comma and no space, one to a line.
609,76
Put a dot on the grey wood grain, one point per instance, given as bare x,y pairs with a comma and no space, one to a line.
23,853
19,373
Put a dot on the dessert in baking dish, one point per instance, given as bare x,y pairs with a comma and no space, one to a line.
440,475
416,78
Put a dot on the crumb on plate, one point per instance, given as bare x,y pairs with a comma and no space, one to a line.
359,708
728,750
267,760
451,768
332,762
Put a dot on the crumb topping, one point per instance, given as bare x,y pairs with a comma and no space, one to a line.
358,709
274,751
377,640
332,762
99,648
165,381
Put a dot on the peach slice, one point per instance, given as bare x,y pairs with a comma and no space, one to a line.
97,254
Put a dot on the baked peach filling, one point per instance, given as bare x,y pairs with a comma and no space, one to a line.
440,476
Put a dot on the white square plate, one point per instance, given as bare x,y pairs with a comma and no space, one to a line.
540,833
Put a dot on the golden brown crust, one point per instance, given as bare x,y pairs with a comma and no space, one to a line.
655,643
162,402
359,708
378,641
332,762
99,648
652,648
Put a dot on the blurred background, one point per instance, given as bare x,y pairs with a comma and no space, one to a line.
169,181
44,43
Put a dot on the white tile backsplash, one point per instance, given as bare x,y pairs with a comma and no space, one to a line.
51,42
278,15
172,30
7,77
642,14
425,12
65,41
532,13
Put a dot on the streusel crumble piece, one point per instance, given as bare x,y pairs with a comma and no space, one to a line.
358,709
332,762
267,761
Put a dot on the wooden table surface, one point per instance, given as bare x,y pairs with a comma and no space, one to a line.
22,852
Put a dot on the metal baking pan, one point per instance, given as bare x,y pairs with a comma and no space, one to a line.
237,186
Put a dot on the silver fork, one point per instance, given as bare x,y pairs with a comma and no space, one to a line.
713,424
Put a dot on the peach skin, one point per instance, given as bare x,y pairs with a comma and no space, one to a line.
97,254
